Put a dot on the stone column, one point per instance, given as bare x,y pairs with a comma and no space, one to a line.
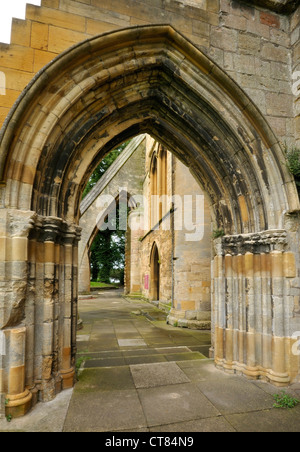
46,234
38,308
18,398
69,306
253,306
127,273
54,256
85,273
135,222
48,319
15,227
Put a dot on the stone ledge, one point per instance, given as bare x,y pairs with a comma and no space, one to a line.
278,6
190,324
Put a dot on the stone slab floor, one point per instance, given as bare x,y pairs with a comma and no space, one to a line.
138,374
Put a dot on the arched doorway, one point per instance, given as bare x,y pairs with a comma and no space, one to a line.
82,105
155,274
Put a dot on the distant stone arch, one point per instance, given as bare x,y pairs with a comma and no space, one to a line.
155,273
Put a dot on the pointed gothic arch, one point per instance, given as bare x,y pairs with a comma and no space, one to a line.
90,99
154,273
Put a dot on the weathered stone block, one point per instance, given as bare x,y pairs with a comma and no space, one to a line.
244,64
289,265
52,3
191,315
274,52
17,57
56,18
200,28
41,58
204,316
60,39
235,22
20,32
269,19
225,39
39,36
95,27
249,44
279,104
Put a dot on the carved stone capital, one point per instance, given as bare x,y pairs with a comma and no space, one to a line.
56,230
256,243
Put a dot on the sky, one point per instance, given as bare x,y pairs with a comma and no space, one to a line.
10,9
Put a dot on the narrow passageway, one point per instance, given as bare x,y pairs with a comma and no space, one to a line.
139,374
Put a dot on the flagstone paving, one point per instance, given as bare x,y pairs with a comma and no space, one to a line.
139,374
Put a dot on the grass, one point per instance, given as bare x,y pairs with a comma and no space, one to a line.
79,363
101,285
285,401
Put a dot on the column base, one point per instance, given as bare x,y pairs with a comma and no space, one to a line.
18,405
68,377
190,319
254,373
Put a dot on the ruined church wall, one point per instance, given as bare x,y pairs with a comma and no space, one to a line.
193,254
162,238
185,266
295,41
253,45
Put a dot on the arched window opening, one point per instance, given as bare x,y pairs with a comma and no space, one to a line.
155,274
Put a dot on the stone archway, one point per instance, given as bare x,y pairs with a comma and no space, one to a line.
124,177
86,102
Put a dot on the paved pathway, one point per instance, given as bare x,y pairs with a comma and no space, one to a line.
140,375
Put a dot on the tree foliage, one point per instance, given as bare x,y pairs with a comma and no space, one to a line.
293,163
107,254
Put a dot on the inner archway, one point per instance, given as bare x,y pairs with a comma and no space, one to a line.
155,274
85,103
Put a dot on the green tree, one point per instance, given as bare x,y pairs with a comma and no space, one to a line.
108,254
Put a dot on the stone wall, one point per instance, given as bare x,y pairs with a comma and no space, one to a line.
254,47
161,235
185,265
252,44
192,254
295,41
